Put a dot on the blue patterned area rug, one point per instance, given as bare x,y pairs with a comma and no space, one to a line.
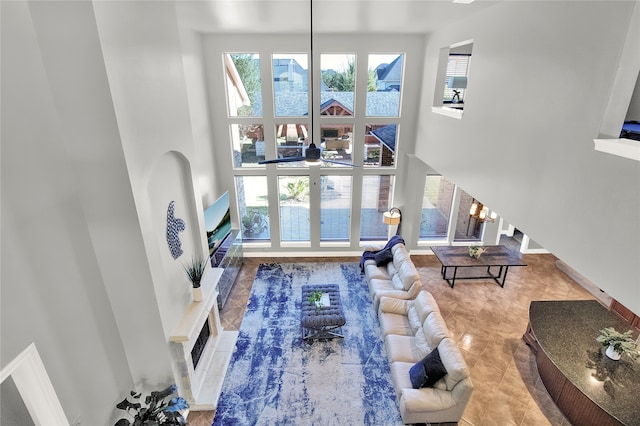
276,378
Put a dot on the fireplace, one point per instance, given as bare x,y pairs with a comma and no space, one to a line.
201,349
201,343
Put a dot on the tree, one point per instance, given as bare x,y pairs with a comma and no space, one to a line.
345,81
372,83
249,71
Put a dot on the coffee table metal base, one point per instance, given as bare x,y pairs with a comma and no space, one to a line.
323,322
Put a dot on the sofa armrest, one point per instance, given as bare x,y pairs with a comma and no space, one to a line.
392,304
426,399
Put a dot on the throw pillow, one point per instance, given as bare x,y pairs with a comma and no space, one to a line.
383,257
426,372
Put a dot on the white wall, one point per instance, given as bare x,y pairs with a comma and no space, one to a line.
206,173
53,289
96,137
145,69
539,82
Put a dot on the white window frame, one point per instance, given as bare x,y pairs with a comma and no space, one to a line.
441,77
620,98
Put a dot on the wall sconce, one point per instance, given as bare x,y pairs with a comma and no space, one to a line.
393,217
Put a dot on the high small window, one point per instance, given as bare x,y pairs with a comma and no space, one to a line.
456,81
453,77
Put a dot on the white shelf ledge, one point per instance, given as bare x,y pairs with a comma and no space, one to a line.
448,112
626,148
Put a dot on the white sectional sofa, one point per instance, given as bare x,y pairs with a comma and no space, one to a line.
412,329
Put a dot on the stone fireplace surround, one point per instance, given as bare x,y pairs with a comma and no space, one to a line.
201,386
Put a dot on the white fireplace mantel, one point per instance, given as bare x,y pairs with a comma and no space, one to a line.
201,386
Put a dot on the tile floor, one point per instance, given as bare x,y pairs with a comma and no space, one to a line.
488,323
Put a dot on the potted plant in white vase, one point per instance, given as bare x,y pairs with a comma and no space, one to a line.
195,271
617,343
315,298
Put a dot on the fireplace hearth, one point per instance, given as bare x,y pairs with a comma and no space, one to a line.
201,349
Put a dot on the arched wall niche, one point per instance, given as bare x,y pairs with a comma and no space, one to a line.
171,180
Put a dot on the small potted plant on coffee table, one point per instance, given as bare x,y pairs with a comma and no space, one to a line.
315,298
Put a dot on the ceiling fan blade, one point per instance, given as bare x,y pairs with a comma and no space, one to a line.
282,160
341,163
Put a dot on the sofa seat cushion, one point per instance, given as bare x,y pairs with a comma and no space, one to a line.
373,271
426,372
404,349
391,323
402,384
378,293
453,362
398,284
391,269
377,286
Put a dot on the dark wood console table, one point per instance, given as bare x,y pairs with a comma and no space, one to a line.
588,387
494,257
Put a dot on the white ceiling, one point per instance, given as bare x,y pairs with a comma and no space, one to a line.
329,16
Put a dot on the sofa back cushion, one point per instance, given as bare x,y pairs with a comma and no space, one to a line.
400,253
453,362
425,304
434,329
403,268
397,282
414,320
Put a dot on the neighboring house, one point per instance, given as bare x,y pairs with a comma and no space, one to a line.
237,94
389,76
289,76
385,138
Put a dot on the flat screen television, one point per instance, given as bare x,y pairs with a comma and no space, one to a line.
217,221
